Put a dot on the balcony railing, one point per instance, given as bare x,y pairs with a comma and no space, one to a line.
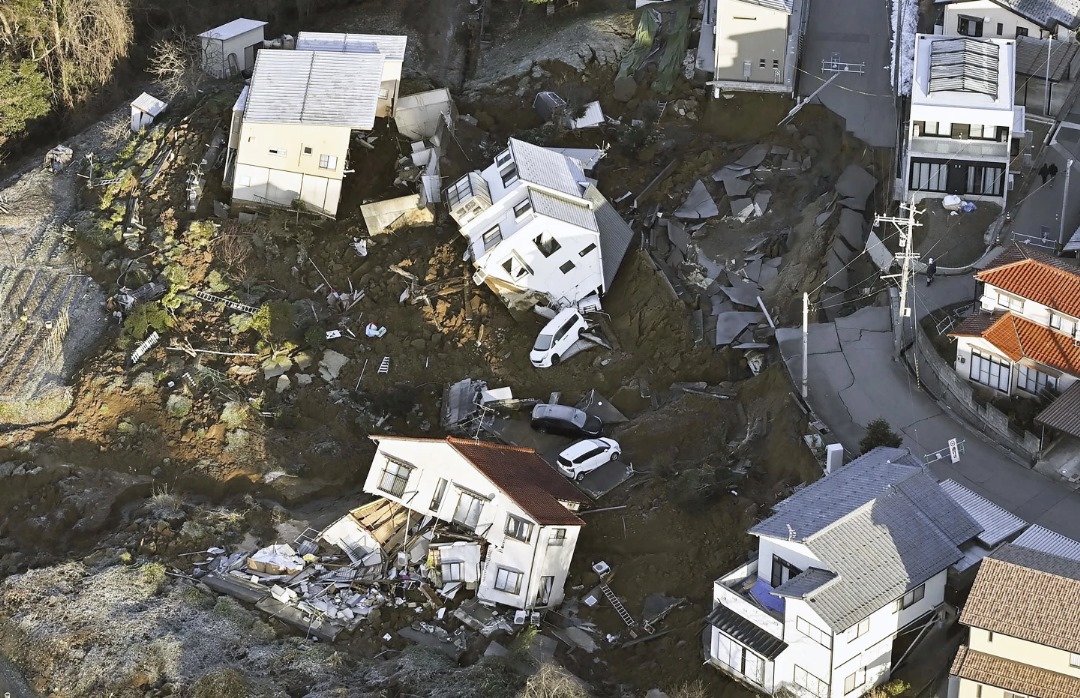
959,148
733,592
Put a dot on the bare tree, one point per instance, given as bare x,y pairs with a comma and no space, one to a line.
177,63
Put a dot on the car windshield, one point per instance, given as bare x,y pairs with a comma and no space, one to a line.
543,343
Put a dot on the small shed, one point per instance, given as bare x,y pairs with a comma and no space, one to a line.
229,50
144,109
418,115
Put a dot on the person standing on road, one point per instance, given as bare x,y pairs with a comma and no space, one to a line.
1052,172
1043,172
931,269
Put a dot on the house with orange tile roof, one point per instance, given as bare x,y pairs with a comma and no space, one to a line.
508,499
1025,341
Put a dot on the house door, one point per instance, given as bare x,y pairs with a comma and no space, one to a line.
781,571
754,667
543,594
956,183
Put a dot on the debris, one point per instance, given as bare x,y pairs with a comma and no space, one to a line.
275,560
360,245
333,334
58,158
331,364
394,214
730,325
742,209
373,330
146,346
276,366
855,182
699,204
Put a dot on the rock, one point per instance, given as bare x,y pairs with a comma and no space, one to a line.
303,379
625,89
283,384
276,366
331,365
178,406
304,359
418,344
243,371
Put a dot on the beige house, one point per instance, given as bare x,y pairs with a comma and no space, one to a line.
752,45
295,124
1024,625
391,48
1012,19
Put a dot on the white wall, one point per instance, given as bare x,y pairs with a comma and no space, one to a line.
1036,312
391,85
801,650
434,460
216,52
993,14
262,184
795,553
964,347
1024,651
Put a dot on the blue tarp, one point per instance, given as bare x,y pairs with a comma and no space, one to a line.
762,593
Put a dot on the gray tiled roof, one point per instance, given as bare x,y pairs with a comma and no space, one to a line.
1047,541
805,583
615,235
746,632
1046,13
835,496
560,209
942,510
885,549
545,168
997,523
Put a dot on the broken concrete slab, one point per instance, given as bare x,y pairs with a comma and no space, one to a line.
582,639
734,186
331,364
837,273
607,477
761,202
852,228
755,156
752,270
395,214
678,236
699,204
276,366
881,255
312,625
855,182
730,325
790,167
742,294
842,251
768,274
853,203
428,640
742,208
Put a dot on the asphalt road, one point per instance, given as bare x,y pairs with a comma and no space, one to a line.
12,684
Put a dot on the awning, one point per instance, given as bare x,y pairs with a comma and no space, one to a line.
1063,413
746,633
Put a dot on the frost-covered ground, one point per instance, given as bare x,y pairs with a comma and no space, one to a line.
908,12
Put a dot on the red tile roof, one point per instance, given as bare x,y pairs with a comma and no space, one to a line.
1020,338
1010,675
526,478
1037,277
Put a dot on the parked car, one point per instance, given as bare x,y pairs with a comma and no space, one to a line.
557,336
565,420
585,456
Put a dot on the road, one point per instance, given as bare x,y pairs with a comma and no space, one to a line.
853,379
12,684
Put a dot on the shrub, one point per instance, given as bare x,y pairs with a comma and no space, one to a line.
27,96
143,318
153,574
177,276
221,683
889,690
200,233
274,322
879,433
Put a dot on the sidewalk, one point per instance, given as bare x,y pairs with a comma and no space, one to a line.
853,379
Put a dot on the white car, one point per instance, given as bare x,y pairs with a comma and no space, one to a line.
587,455
556,337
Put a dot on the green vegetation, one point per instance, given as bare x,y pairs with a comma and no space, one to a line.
274,322
891,689
221,683
24,96
143,318
879,433
153,574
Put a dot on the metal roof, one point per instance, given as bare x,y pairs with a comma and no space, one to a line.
560,209
1047,541
1031,55
390,46
1063,413
1046,13
545,168
746,632
997,523
805,583
964,65
615,235
312,87
944,512
232,29
148,104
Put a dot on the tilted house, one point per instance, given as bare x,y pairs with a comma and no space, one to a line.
538,228
962,118
295,124
507,497
390,47
1012,19
843,566
752,45
1023,616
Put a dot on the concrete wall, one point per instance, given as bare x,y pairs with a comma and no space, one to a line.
1031,653
794,553
750,33
994,14
436,460
388,90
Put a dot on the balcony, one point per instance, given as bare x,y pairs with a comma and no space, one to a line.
741,591
959,148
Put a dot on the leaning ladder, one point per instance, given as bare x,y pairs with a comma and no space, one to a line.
618,606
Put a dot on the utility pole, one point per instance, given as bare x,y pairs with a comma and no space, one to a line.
904,226
1049,45
805,339
1064,201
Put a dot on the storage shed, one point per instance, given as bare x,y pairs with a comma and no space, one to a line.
144,109
229,50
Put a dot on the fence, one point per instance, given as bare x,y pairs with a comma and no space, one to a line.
941,380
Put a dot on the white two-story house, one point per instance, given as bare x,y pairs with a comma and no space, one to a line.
1011,19
295,125
505,495
752,45
538,228
962,119
390,47
1023,617
1025,340
843,566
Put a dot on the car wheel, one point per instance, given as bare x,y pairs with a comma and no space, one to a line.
615,456
555,359
579,477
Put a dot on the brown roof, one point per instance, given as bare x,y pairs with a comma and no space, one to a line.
1013,676
974,325
1027,594
1063,413
1037,277
526,478
1020,338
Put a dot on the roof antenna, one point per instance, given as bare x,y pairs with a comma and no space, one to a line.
790,532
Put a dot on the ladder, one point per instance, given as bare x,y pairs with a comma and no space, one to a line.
211,298
618,606
662,106
384,367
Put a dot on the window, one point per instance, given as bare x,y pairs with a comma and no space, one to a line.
543,594
813,632
328,162
278,152
1033,381
467,511
1074,659
516,267
855,679
1021,31
1011,302
507,580
518,529
588,248
961,131
394,478
743,661
782,571
509,175
776,64
969,26
810,682
761,63
307,151
522,209
861,629
1063,323
492,237
928,176
1000,28
502,158
986,180
440,490
567,267
558,536
452,571
547,244
990,371
929,128
912,597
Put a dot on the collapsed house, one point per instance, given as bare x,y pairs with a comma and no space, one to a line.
494,518
538,229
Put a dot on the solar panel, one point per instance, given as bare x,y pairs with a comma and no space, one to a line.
964,65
